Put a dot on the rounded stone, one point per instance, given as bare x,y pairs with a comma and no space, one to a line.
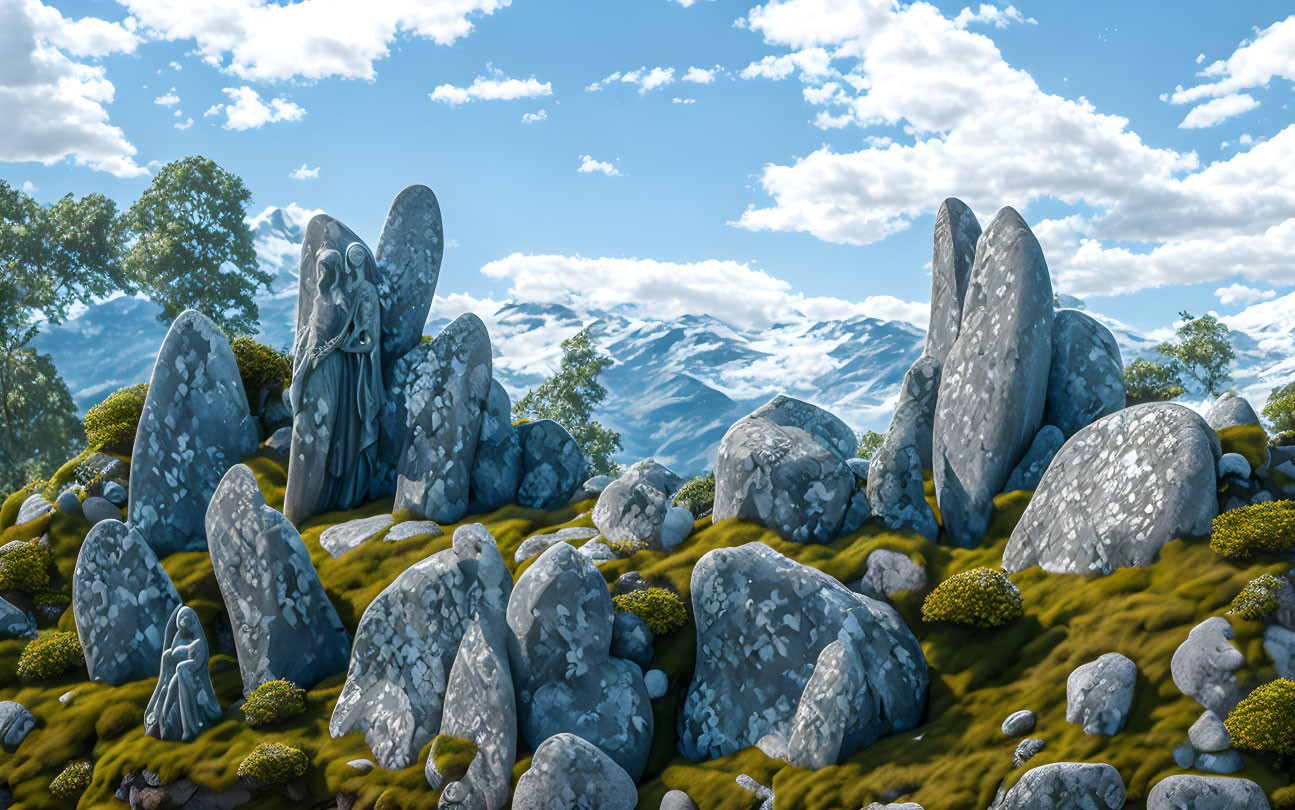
656,682
1206,793
1019,723
97,510
68,503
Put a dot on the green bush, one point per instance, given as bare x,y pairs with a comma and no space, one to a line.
72,782
1249,441
274,763
698,495
1283,798
662,610
1265,719
117,719
273,702
50,655
52,598
1241,533
111,424
1284,439
452,756
263,369
1257,599
24,566
981,597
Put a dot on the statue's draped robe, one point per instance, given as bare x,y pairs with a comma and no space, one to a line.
183,703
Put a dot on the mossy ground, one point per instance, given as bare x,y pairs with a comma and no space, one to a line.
956,759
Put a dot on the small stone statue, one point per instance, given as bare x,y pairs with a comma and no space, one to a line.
183,704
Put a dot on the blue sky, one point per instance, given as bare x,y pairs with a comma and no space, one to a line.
770,187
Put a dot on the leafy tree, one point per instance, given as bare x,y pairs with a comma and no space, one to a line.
1280,407
870,443
193,248
41,428
570,397
1202,351
1145,381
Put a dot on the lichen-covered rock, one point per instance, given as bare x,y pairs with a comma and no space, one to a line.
552,465
537,543
896,490
835,696
1118,491
1230,410
677,800
1099,694
634,506
789,477
284,626
121,599
15,724
497,466
1034,464
561,617
1208,734
1078,785
954,251
115,494
409,263
441,387
1186,791
994,385
343,537
632,639
15,623
1086,380
763,624
889,572
567,773
407,529
195,425
1202,666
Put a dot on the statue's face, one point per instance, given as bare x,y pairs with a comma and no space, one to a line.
185,620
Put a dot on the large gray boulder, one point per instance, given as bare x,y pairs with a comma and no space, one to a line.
634,506
896,489
994,385
407,642
1099,694
1070,785
1279,643
1086,381
1203,666
194,426
561,618
783,466
1118,491
121,599
284,626
553,465
1029,472
765,629
15,622
1230,410
497,466
409,254
567,773
1187,791
954,251
443,386
15,724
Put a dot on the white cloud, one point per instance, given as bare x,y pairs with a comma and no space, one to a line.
813,63
246,110
686,3
176,66
29,188
535,117
1254,63
701,75
304,172
188,122
646,79
1217,110
588,165
313,39
170,99
53,107
993,15
1241,294
499,88
678,100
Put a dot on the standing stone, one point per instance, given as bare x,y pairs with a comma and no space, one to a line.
1099,694
343,537
284,626
1118,491
497,466
15,623
409,254
121,599
1203,666
552,465
1187,790
195,424
184,703
1230,410
567,773
994,384
1087,785
896,489
443,387
15,724
634,506
1029,472
956,233
1086,381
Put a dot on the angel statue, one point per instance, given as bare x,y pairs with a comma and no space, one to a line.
183,704
336,391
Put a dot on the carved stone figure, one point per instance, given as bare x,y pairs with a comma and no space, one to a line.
183,704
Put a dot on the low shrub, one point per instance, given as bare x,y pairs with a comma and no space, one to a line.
1283,798
1257,599
52,599
117,719
274,763
273,702
981,597
452,756
663,610
111,424
263,369
24,566
50,655
624,548
1265,719
1260,527
1284,439
698,495
72,782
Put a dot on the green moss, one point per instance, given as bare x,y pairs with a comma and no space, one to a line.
118,719
1257,599
25,567
452,756
663,610
50,655
111,424
981,597
64,475
262,369
1258,528
273,702
274,763
1265,719
72,781
1248,440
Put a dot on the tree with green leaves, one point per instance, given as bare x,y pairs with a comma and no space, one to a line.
1145,381
192,246
1202,351
1280,408
870,443
570,397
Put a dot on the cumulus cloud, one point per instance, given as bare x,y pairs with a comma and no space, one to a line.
1241,294
170,99
992,15
1255,62
698,75
188,122
677,100
304,172
589,165
1218,110
646,79
87,36
246,110
496,88
535,117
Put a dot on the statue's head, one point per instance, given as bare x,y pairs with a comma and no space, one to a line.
186,620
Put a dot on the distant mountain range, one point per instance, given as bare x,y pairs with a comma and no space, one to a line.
676,385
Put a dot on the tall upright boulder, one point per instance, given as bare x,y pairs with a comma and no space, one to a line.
409,254
194,425
994,384
284,626
1086,380
956,232
497,465
553,465
896,489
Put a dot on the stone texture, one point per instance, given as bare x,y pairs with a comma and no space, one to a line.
283,624
1077,785
537,543
1202,666
783,466
497,465
1026,750
567,773
552,465
764,794
1099,694
115,494
15,724
1224,762
954,251
408,257
631,639
343,537
1208,734
1034,464
994,384
677,800
1119,490
656,683
1230,410
68,503
35,506
634,506
1086,380
121,599
14,622
1019,723
96,510
764,625
1279,644
412,528
1233,464
896,490
889,572
1192,792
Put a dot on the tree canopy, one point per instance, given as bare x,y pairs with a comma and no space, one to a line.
870,443
1145,381
1202,351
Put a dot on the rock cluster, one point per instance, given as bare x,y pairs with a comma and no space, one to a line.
637,506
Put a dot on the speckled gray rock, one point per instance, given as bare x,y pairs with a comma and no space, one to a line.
35,506
1230,410
634,506
497,465
412,528
115,494
1119,490
954,251
676,527
96,510
597,484
1029,472
443,385
1279,644
896,490
1233,464
994,384
561,616
1208,734
407,641
1099,694
195,424
339,539
1086,380
121,599
567,773
656,682
538,543
894,806
552,465
1019,723
763,623
835,697
15,724
1192,792
789,478
889,572
632,639
68,503
283,624
764,794
409,262
15,623
677,800
1072,785
1202,666
1026,750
